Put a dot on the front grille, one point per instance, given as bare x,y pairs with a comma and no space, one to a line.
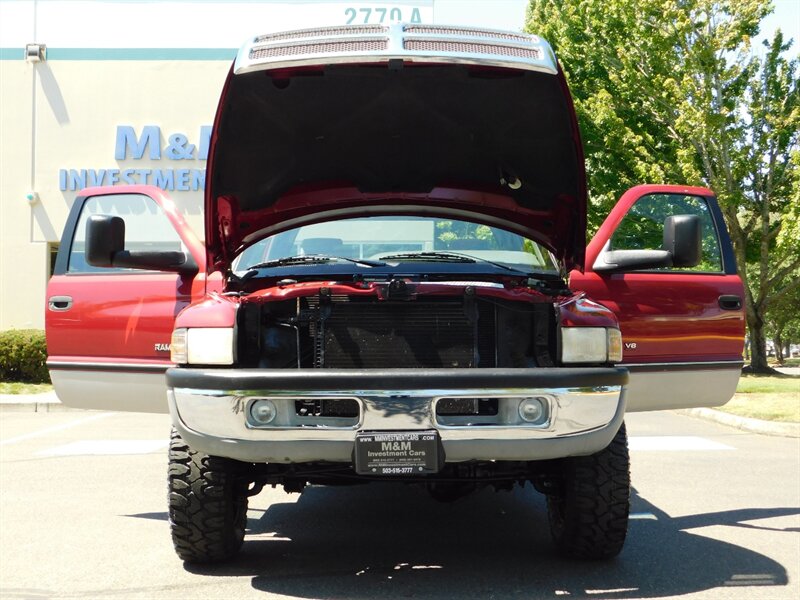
364,332
454,47
354,44
320,32
396,335
320,47
466,32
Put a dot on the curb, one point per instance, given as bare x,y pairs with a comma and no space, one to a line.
36,407
777,428
38,403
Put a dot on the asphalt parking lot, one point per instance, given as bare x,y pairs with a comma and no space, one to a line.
716,514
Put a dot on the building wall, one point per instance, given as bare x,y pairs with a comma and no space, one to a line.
124,78
64,124
21,260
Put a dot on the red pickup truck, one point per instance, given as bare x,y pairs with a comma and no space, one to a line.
395,285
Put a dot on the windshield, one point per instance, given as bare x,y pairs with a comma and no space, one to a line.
399,240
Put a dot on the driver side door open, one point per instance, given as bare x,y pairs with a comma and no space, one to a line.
108,329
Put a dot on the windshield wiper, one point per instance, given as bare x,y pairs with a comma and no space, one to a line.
431,257
453,257
310,259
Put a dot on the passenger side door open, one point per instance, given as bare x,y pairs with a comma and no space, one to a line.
682,327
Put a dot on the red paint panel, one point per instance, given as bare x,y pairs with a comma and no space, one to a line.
581,312
670,317
118,316
213,311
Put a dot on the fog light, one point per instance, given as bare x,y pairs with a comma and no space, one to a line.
263,412
533,410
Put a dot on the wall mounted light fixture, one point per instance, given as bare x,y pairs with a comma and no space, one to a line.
35,53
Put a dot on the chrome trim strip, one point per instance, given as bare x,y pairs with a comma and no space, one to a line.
683,366
96,366
584,422
222,414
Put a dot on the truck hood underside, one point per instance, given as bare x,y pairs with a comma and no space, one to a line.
293,147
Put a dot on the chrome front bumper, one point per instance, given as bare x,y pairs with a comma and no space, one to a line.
209,409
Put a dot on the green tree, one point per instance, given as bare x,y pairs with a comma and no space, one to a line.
783,320
670,91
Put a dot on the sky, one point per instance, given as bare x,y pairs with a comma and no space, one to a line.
787,18
512,15
512,12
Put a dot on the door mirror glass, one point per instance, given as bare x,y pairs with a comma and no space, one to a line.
105,237
683,240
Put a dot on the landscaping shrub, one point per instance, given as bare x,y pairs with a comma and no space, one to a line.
23,354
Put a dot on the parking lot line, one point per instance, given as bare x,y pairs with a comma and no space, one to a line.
54,428
106,447
674,443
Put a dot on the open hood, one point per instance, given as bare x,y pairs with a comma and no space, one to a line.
351,121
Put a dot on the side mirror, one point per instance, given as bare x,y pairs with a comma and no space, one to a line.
105,247
683,240
681,247
105,238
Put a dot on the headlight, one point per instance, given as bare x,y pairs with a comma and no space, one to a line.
590,345
202,346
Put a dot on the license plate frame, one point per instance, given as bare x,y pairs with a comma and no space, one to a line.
397,453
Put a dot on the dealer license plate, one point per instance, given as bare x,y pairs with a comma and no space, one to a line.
397,452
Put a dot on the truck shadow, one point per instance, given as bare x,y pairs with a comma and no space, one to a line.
382,541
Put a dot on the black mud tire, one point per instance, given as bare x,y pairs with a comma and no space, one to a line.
207,504
589,517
